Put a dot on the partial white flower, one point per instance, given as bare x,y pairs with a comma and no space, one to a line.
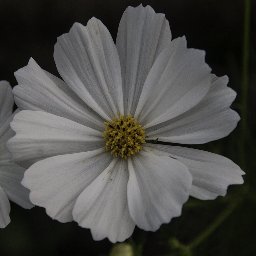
86,139
10,173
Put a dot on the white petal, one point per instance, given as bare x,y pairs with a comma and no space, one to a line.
10,180
5,134
178,80
212,174
211,119
40,90
88,61
40,135
102,206
157,189
6,100
4,209
142,35
10,173
56,182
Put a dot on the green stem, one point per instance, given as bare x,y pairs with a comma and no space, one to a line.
214,225
245,76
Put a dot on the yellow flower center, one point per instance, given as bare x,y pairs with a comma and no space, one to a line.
124,136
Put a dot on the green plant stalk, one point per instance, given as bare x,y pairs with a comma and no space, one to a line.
245,78
214,225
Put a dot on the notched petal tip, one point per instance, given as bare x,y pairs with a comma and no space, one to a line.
147,8
93,21
181,41
62,37
78,27
24,73
222,82
223,79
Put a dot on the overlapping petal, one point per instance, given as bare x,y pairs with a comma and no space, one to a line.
56,182
88,61
10,180
39,90
158,187
212,174
142,35
209,120
6,101
5,134
103,207
178,81
40,135
10,173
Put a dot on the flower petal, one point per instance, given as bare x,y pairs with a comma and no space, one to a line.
212,174
56,182
157,189
10,173
6,100
4,209
40,135
88,61
142,35
178,81
40,90
211,119
5,134
102,206
10,180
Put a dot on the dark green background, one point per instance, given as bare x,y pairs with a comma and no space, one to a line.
30,28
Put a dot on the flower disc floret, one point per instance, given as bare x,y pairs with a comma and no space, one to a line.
124,136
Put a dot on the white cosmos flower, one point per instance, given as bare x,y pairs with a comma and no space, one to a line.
144,87
10,173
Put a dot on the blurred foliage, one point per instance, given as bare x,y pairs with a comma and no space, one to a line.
223,227
122,249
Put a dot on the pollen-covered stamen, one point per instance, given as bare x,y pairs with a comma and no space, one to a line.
124,136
